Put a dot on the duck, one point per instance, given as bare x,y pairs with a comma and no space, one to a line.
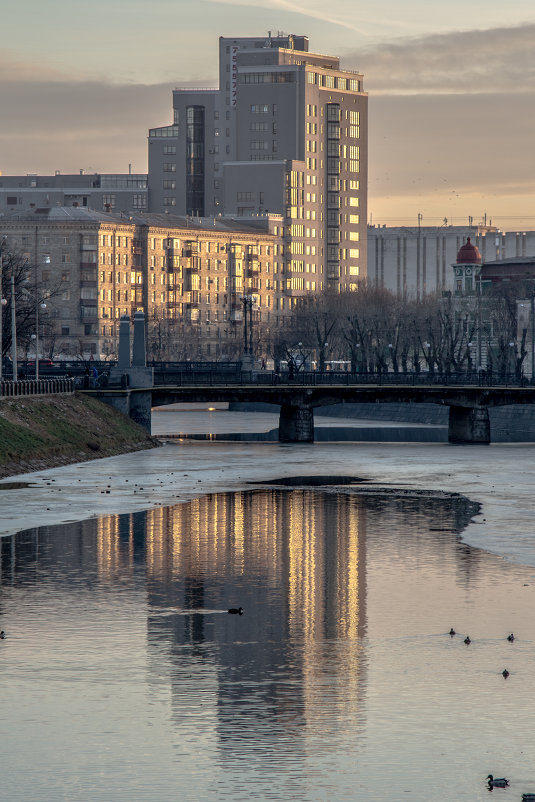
236,611
467,640
2,634
505,673
511,637
498,782
452,632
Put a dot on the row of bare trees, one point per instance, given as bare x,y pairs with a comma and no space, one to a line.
371,330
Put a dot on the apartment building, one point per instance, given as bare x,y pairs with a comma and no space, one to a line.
117,192
284,133
189,277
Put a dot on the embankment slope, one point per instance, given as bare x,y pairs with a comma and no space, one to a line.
48,431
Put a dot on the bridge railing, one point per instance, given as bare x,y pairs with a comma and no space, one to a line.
26,387
315,378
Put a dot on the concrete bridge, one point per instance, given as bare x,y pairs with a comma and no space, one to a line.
468,404
132,389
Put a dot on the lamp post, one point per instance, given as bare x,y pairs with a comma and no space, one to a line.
43,307
247,301
244,301
13,330
1,310
532,302
2,304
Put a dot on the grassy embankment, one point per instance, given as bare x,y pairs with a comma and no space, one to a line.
48,431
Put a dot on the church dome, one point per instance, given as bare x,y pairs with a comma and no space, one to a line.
468,254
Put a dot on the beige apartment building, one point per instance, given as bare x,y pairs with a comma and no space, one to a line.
284,133
189,277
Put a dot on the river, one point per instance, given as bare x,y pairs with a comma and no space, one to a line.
125,678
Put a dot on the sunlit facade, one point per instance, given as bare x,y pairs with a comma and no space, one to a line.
189,277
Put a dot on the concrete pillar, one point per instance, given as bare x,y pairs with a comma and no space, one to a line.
469,425
123,362
139,354
296,424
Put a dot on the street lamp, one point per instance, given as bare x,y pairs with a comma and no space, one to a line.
13,329
43,307
3,302
247,301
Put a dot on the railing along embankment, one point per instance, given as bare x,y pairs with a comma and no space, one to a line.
30,387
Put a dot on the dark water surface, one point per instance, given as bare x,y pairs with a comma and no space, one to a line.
124,678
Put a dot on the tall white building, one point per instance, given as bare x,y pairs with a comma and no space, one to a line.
285,133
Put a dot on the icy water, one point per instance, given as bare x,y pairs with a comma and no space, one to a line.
124,678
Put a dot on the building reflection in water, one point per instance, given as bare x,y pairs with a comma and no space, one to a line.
295,560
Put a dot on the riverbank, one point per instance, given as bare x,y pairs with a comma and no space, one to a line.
40,432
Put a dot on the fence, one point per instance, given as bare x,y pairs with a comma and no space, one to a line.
25,387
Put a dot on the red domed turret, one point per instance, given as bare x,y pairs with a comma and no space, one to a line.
468,254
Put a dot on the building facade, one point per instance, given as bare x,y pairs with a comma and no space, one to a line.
116,192
190,279
284,133
415,261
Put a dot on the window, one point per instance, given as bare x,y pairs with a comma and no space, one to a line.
169,201
139,201
259,108
258,144
108,201
169,167
169,150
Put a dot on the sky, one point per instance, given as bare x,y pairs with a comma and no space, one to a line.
451,90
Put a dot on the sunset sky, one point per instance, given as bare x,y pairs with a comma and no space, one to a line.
451,85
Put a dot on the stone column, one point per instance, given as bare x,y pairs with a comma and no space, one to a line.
296,424
469,425
123,362
139,355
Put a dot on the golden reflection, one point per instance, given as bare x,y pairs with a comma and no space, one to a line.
294,559
114,545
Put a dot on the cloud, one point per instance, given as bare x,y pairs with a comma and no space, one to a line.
496,60
341,14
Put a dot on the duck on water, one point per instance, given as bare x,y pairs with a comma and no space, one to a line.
497,782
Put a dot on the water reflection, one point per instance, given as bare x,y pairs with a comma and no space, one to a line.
288,689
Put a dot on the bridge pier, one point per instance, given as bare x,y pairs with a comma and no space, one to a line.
296,424
140,408
469,425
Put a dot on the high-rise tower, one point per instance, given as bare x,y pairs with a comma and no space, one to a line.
285,133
